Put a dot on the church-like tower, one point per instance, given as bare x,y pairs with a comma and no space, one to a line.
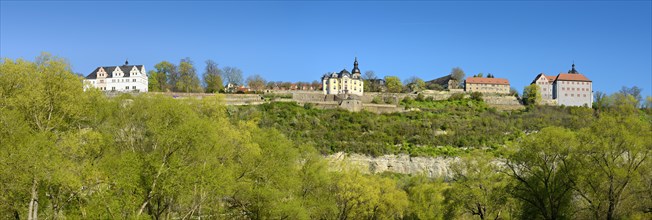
355,73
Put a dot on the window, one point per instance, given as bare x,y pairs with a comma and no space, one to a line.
572,95
113,88
126,87
585,95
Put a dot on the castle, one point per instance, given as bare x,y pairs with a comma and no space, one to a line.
569,89
344,82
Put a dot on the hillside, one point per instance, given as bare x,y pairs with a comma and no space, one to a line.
66,153
432,128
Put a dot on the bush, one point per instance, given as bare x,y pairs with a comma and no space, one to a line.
420,97
456,96
407,100
376,100
477,96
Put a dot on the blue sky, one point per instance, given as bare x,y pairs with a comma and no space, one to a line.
610,41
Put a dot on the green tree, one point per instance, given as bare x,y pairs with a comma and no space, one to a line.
542,167
188,80
531,95
601,100
427,198
153,84
612,152
479,188
393,84
167,76
213,77
415,84
634,91
41,108
372,197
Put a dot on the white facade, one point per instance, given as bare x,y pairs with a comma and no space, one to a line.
545,85
569,89
344,82
573,93
125,78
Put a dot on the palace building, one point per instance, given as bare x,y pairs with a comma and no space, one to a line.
569,89
125,78
486,85
344,82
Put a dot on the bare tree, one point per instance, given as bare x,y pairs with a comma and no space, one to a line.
369,75
232,75
256,82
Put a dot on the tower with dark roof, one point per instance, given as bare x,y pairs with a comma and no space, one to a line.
573,71
355,67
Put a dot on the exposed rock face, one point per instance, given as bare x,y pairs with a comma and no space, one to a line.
430,166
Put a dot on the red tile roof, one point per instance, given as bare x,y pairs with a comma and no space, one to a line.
572,77
551,78
548,78
480,80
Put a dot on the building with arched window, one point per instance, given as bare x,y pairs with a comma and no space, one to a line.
344,82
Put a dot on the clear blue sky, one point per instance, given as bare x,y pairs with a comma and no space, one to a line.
610,41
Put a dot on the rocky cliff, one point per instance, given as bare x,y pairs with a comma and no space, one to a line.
404,164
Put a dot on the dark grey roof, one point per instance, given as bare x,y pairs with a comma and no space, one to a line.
109,69
441,80
355,69
344,72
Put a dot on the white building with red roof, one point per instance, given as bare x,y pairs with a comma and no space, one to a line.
569,89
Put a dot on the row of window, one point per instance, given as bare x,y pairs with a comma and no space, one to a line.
478,88
564,82
574,83
573,89
123,80
355,82
113,88
487,85
573,95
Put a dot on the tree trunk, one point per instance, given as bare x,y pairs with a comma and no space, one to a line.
33,202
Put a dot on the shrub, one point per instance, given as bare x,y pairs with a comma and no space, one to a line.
376,100
456,96
477,96
420,97
407,100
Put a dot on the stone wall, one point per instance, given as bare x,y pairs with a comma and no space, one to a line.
404,164
382,108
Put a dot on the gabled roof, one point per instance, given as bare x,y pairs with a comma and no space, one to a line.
572,77
480,80
441,80
126,69
548,78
